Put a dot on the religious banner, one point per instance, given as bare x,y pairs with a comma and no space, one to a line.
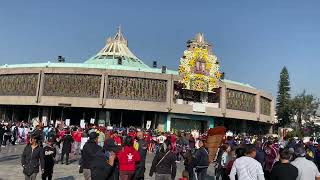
199,67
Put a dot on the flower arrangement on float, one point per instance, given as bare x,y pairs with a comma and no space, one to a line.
205,82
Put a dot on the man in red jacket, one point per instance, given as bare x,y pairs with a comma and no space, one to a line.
77,141
128,158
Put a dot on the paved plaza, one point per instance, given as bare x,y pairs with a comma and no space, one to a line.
10,168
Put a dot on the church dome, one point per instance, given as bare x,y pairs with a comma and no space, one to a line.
117,52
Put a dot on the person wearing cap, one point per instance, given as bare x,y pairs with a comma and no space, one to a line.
88,153
306,168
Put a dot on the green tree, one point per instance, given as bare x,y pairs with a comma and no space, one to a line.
303,108
283,98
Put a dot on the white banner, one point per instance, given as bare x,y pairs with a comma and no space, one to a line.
92,120
148,124
82,124
67,122
44,121
199,107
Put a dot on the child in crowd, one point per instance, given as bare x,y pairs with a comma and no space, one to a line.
49,158
185,175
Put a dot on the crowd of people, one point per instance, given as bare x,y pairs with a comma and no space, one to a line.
268,158
120,153
12,133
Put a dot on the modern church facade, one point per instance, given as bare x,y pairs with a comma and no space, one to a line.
116,88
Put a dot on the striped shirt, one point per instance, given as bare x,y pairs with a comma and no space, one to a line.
246,168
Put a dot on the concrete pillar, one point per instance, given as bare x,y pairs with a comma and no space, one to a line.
155,120
257,105
243,128
103,116
223,99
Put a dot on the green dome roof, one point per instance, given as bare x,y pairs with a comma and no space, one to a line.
116,52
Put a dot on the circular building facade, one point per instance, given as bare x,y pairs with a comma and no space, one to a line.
116,88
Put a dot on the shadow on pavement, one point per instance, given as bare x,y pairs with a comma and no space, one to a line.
9,158
72,160
66,178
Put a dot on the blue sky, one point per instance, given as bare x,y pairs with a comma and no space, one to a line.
253,39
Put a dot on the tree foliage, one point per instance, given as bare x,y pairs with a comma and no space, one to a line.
283,98
304,107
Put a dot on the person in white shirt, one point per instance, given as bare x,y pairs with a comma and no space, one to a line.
306,168
246,167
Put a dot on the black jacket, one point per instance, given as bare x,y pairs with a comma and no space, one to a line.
100,169
88,153
49,155
202,158
67,143
35,158
1,133
166,166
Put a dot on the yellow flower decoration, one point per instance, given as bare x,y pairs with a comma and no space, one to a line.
218,75
186,78
208,66
199,85
199,76
192,62
200,82
212,81
182,69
